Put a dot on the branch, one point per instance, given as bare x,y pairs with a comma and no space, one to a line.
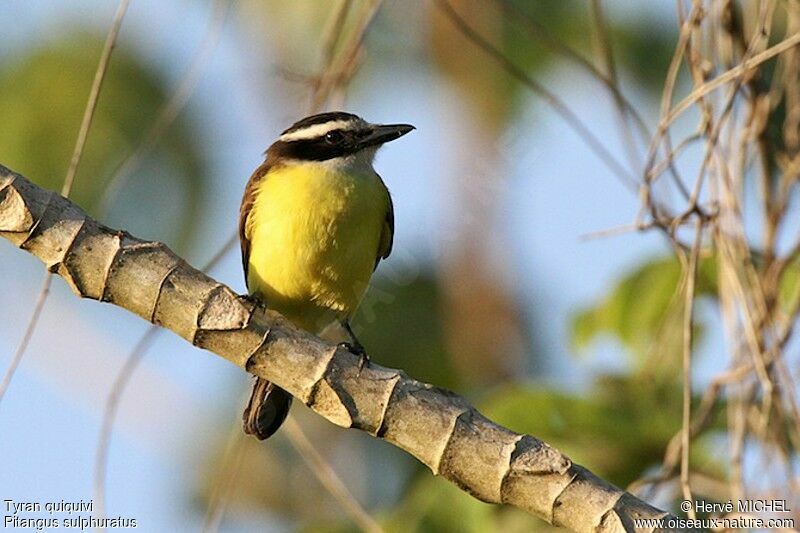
436,426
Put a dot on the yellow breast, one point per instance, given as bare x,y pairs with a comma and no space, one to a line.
314,234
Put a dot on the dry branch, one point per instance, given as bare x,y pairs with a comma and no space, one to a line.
439,428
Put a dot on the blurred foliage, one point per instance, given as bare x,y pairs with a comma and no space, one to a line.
491,93
403,324
620,427
273,477
434,505
644,310
644,47
294,32
789,287
43,94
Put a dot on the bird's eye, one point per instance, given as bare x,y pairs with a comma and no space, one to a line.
333,137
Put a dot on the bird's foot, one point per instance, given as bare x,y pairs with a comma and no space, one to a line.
253,300
356,349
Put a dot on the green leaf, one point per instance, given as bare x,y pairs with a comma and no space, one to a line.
644,309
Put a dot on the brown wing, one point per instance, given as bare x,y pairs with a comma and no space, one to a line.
244,211
269,404
387,234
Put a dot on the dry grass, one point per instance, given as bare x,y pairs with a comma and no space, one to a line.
745,74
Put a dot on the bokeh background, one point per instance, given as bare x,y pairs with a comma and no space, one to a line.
499,286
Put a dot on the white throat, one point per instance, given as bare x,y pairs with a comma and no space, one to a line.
359,163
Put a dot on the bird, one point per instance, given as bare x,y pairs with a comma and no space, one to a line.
314,222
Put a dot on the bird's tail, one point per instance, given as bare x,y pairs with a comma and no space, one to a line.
266,410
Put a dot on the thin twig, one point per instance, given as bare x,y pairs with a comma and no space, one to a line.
736,72
94,96
26,337
541,33
606,52
666,96
333,31
109,415
328,477
572,120
230,468
172,108
69,179
342,66
614,231
688,336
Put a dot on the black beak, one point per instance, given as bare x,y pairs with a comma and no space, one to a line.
380,134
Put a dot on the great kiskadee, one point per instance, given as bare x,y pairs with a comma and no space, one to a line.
315,221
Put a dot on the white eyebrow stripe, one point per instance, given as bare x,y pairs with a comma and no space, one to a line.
317,130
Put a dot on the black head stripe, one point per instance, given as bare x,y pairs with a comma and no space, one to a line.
321,118
307,150
316,148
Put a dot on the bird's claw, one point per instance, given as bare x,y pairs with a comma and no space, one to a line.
253,300
357,349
